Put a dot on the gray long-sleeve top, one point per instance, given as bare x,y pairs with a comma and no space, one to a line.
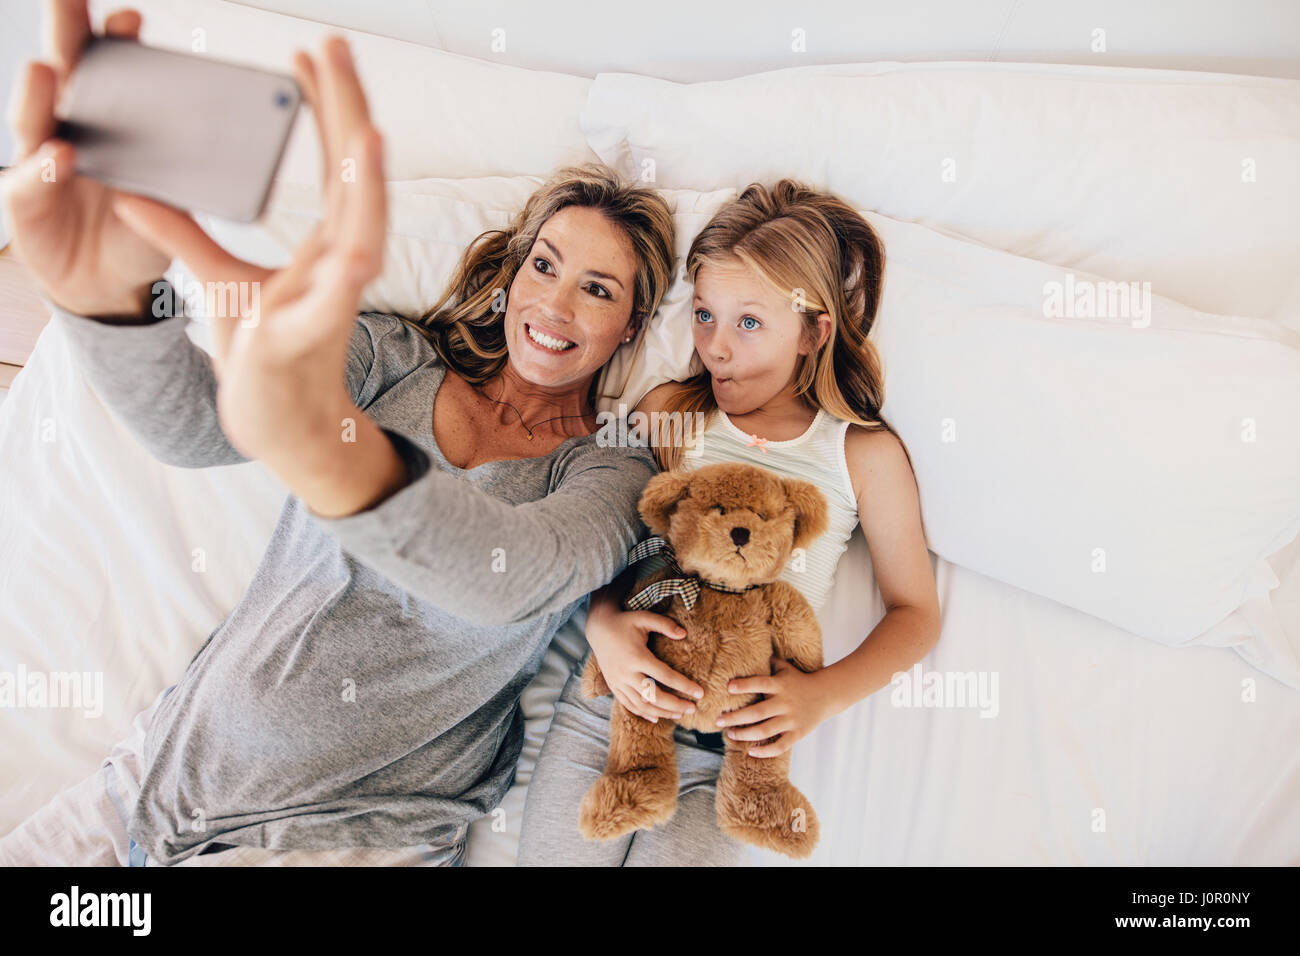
364,691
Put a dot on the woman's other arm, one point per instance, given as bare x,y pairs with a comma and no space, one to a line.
491,562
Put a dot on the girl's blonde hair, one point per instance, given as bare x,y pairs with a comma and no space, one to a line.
816,250
465,328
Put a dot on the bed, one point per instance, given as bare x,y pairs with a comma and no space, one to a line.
1149,720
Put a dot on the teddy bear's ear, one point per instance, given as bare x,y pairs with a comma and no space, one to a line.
810,513
660,497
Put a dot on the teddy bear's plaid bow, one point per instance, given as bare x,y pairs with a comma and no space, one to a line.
687,586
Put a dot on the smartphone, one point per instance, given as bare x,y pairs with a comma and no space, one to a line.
190,131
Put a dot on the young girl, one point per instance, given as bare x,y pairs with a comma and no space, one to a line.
787,282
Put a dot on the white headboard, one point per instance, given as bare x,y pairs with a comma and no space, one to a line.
690,40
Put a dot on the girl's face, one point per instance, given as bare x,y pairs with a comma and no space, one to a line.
746,334
570,303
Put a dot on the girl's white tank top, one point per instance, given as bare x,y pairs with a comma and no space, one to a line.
816,456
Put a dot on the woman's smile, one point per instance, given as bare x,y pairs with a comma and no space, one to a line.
554,344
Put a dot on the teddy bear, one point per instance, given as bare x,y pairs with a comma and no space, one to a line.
723,534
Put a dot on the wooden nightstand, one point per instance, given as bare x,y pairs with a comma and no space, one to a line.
22,316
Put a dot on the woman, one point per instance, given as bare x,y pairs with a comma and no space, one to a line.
450,504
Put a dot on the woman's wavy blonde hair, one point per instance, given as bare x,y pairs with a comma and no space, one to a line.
818,252
465,328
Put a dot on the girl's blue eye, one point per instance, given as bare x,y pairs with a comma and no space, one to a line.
700,313
749,318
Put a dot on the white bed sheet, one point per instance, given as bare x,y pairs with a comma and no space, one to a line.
1106,749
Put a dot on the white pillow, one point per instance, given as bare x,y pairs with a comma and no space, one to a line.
442,114
1048,448
1101,170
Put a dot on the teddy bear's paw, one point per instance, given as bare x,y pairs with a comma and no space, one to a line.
792,843
593,681
619,803
778,818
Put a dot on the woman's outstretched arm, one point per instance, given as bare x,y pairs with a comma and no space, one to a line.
443,539
156,382
162,386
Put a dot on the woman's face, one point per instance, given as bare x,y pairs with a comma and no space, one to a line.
570,304
746,334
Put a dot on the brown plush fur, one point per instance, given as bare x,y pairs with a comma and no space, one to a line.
727,636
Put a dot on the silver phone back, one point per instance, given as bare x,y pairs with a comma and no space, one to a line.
197,133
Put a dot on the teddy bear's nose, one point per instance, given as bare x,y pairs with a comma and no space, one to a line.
740,536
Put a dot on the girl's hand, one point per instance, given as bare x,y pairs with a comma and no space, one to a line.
280,356
620,639
795,703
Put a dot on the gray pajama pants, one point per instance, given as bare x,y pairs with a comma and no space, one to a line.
85,825
574,755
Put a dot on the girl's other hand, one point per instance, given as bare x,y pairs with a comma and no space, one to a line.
620,641
794,703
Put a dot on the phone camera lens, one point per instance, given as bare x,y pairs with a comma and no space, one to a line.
282,99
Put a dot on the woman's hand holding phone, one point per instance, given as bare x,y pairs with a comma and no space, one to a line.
281,393
281,364
281,396
66,228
